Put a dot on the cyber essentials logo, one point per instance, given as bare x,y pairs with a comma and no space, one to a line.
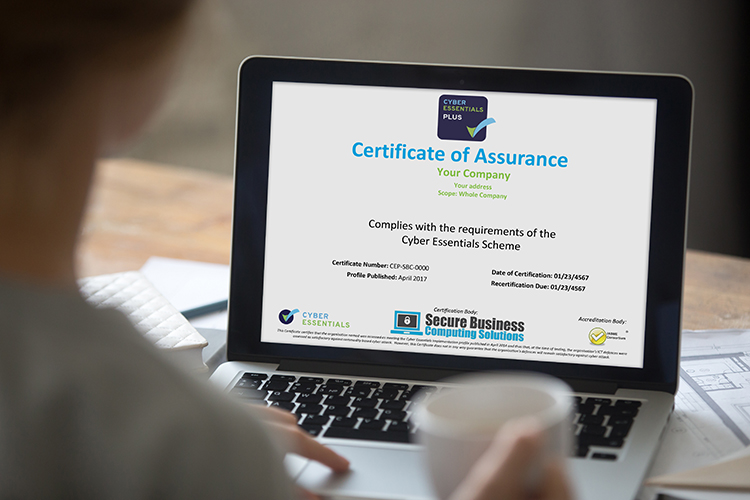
463,118
286,316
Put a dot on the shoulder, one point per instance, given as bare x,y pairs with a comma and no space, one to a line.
88,395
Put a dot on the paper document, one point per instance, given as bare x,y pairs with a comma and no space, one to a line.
674,494
188,284
728,474
712,407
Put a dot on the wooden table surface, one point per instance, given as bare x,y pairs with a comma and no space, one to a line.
140,209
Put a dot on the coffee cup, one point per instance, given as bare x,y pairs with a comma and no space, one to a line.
458,424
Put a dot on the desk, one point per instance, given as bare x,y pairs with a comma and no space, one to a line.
140,209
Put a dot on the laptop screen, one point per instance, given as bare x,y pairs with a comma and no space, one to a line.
428,220
503,225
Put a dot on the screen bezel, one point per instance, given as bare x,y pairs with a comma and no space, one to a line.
674,97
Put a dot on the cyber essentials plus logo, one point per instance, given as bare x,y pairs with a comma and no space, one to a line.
463,118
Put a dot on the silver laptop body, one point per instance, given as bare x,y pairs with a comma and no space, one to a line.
395,224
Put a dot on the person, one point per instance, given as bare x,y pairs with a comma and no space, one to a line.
88,409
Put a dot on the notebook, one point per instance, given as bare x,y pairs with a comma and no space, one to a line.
395,224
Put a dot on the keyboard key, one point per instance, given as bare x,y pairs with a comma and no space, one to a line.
284,378
249,393
609,442
607,410
311,380
399,427
586,408
398,387
397,415
425,388
418,393
276,385
300,387
367,383
259,376
415,396
358,391
281,396
364,403
367,434
337,400
284,405
372,424
330,389
339,411
313,430
593,430
618,411
389,404
338,381
620,431
617,421
309,408
604,456
343,422
310,398
385,394
591,419
316,420
249,383
365,412
628,403
581,451
600,401
625,411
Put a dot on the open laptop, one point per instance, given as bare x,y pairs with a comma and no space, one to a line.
395,224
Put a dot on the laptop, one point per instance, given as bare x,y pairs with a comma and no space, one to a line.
397,224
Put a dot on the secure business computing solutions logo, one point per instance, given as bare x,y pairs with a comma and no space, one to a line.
406,323
463,118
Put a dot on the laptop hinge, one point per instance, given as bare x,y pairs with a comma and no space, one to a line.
364,370
406,372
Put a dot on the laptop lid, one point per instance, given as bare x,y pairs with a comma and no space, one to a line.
418,220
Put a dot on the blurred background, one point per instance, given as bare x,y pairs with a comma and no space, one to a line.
703,40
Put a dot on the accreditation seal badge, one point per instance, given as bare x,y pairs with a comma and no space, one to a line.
597,336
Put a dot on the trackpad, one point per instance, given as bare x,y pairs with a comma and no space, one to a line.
375,473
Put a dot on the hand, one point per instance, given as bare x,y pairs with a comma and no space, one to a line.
500,474
296,440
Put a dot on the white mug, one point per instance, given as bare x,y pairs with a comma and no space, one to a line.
457,425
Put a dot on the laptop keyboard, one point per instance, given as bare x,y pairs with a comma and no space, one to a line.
603,423
375,411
